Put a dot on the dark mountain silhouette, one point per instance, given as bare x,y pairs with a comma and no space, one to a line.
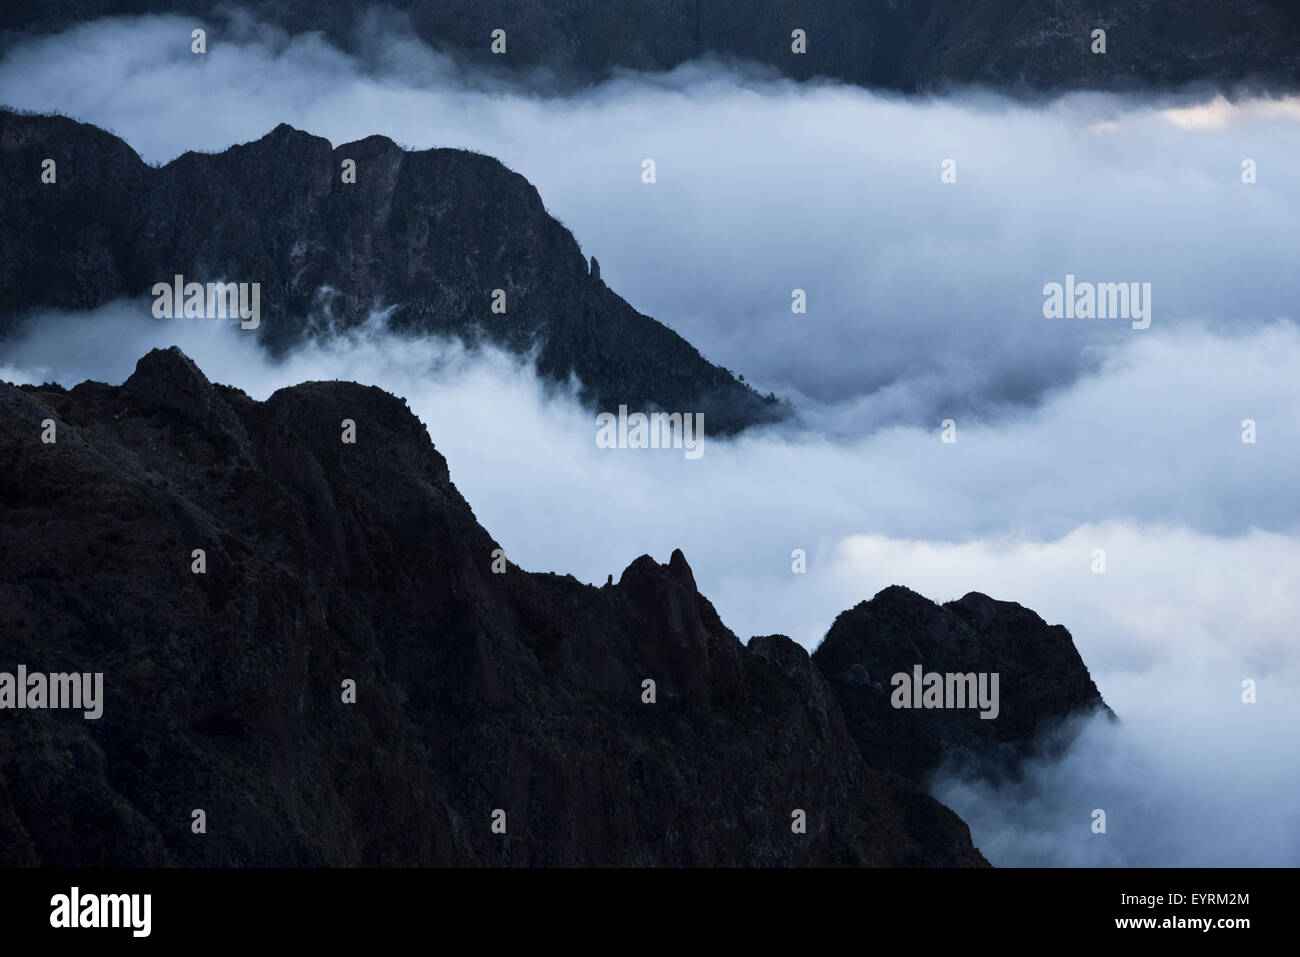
426,235
1016,45
1042,681
475,690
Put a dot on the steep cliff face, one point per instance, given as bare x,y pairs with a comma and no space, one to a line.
1042,681
901,44
428,236
327,562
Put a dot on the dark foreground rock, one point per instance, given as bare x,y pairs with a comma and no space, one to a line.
329,562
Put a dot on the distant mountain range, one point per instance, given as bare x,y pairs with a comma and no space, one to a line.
427,236
478,687
1015,45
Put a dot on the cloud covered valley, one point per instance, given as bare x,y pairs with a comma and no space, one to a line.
925,304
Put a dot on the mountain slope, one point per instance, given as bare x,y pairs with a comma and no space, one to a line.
474,690
427,236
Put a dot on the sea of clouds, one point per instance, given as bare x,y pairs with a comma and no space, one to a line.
924,303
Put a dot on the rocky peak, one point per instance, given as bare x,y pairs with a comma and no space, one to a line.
1042,681
169,379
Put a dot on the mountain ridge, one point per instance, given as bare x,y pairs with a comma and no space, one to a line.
475,691
427,237
478,686
906,45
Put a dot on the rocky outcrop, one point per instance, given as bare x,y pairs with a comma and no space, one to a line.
1042,681
479,687
428,238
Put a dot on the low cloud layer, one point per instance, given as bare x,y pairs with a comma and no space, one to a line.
1208,782
1152,441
